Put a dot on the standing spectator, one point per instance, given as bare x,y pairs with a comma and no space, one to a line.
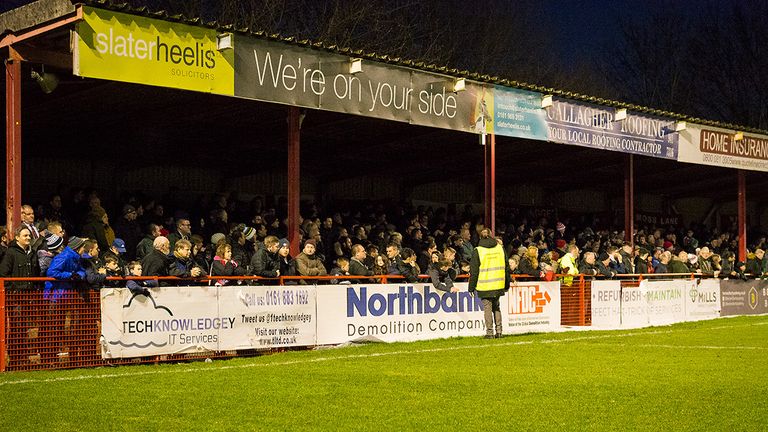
287,266
156,262
224,265
114,269
54,244
529,265
604,266
95,272
146,245
490,279
755,263
664,259
183,231
139,286
67,269
356,266
97,228
20,260
308,263
181,264
408,267
265,262
395,261
128,229
588,265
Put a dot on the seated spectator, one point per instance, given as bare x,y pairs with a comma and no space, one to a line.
183,232
755,263
380,266
118,251
395,261
139,286
308,263
199,253
181,264
224,265
514,263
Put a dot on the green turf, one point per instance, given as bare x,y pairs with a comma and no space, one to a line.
695,376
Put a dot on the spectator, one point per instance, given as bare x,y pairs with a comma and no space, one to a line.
265,262
664,259
224,265
755,263
114,269
199,253
341,269
380,266
139,286
643,262
441,274
156,262
568,264
604,266
117,250
308,263
54,245
514,263
678,263
28,220
95,272
20,260
588,265
529,265
705,261
128,229
408,267
356,266
395,261
146,245
287,265
182,265
97,228
183,231
66,269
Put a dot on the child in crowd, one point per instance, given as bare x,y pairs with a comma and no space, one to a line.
139,286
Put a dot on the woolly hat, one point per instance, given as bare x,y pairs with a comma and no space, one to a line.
667,244
249,232
283,242
75,243
216,238
560,227
560,243
53,242
313,242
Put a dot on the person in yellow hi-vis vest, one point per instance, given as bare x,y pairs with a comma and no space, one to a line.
489,278
568,265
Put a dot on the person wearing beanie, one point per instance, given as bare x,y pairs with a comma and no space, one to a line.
287,264
67,269
54,244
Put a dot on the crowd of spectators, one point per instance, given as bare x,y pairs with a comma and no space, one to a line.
80,241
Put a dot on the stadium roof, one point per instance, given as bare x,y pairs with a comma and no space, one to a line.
138,122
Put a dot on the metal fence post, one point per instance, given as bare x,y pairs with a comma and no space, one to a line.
3,349
582,312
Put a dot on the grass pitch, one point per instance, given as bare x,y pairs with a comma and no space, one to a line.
694,376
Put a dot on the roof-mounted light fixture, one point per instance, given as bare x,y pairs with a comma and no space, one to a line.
546,101
680,126
738,136
459,84
355,65
47,81
620,114
224,41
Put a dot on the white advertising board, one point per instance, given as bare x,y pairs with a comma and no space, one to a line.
177,320
532,307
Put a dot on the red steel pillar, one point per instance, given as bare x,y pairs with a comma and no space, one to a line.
629,200
13,143
294,179
490,183
742,209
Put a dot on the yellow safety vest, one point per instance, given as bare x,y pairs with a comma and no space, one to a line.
492,275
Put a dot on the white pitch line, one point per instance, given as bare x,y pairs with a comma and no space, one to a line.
371,355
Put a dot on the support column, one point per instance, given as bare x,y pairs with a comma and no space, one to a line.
490,183
294,179
13,144
742,209
629,200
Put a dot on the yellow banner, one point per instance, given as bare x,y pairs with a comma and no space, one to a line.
130,48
